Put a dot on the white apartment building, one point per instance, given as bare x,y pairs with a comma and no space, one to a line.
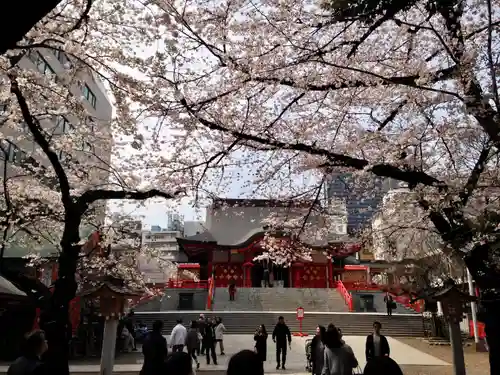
97,108
163,242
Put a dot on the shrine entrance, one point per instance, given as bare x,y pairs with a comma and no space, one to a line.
278,276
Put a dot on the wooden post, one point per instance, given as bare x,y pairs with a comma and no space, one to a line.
109,346
457,348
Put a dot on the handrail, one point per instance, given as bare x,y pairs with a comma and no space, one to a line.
345,294
394,291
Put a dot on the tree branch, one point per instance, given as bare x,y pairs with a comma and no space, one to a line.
475,175
91,196
412,177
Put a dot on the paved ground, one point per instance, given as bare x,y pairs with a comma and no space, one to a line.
406,355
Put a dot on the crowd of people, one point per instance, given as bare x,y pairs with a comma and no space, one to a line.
329,353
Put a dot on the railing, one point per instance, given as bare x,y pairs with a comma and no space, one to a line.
345,294
398,295
187,284
210,297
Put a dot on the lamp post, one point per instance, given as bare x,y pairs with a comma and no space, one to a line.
452,301
111,296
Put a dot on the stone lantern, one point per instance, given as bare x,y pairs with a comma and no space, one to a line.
452,301
112,296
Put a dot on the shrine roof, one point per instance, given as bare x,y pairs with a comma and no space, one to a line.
205,236
87,290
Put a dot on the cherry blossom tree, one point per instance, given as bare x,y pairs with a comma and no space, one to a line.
282,94
404,90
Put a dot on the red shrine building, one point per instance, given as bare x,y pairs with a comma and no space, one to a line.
234,235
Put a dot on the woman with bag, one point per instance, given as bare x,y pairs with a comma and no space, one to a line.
338,360
260,338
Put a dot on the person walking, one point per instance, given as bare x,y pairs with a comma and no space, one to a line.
209,342
281,333
193,342
30,362
178,337
130,325
376,344
337,360
389,303
260,339
202,323
155,351
220,329
317,350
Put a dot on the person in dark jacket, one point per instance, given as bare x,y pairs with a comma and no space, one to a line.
245,362
389,303
209,342
30,363
193,342
317,350
281,333
178,363
155,351
382,365
376,344
260,338
201,328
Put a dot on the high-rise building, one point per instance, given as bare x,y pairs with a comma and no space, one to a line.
174,222
17,147
361,196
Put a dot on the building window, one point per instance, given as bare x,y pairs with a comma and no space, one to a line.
63,124
10,152
89,95
41,64
63,58
3,108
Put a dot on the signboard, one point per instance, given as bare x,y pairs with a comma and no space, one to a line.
300,313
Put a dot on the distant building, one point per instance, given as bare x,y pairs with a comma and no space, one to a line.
361,198
164,243
174,222
193,227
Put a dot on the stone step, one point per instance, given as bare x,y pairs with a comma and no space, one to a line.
354,324
273,299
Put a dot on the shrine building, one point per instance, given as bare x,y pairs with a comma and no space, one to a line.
233,237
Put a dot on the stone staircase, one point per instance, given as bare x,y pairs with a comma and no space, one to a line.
280,299
352,324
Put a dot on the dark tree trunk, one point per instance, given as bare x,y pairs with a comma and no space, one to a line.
482,265
54,319
25,14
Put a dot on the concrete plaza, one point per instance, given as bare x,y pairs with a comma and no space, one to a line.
296,361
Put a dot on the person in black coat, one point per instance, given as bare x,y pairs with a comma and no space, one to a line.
376,344
209,342
30,362
260,338
317,350
281,333
155,351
